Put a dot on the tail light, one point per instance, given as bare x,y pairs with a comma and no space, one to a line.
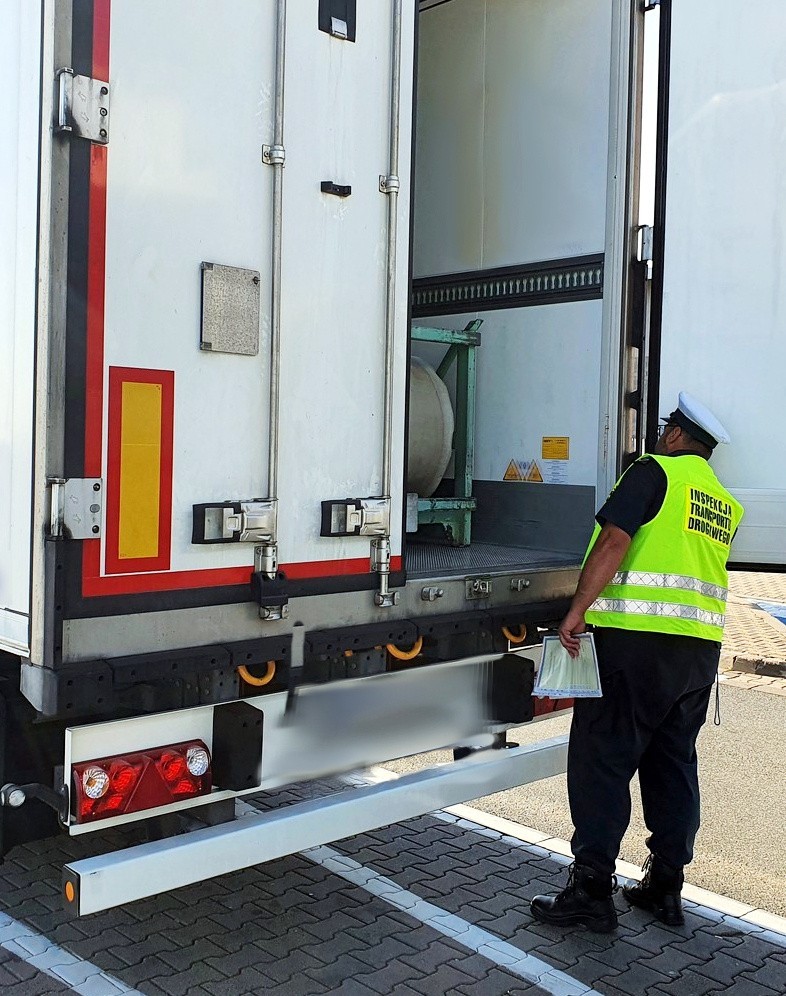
130,783
545,706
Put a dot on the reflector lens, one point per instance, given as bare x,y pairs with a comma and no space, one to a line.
197,760
132,783
95,782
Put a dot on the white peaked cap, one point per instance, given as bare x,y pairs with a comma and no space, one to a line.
701,416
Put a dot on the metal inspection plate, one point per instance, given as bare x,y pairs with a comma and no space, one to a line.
230,310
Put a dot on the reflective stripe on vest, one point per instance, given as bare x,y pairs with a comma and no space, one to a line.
682,582
668,610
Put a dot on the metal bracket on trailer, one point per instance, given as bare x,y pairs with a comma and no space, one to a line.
109,880
75,507
82,106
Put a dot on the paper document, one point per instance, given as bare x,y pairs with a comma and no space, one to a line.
564,677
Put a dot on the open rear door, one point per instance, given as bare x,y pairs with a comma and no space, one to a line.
722,224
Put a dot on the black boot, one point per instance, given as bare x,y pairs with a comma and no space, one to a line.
659,891
587,899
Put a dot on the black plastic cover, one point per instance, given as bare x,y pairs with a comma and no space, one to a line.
343,10
511,680
237,746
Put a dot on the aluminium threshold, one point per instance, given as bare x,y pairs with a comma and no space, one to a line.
119,877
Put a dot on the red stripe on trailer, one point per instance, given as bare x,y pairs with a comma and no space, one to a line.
93,583
96,278
101,13
132,584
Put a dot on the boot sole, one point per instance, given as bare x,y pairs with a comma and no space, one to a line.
604,925
670,919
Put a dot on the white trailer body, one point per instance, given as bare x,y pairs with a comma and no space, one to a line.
235,231
723,294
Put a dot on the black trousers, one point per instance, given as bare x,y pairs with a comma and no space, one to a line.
656,689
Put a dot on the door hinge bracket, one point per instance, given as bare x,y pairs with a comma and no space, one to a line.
646,235
75,507
389,184
82,106
274,155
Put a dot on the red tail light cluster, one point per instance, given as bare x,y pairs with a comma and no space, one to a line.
129,783
544,706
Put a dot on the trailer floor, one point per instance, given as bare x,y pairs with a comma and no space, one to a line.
435,905
428,560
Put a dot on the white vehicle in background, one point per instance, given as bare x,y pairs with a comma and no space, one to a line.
325,329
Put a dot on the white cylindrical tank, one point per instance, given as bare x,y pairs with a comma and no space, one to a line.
431,424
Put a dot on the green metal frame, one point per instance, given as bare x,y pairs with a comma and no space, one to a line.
455,514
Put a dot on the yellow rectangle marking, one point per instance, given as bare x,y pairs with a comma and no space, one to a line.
556,448
140,470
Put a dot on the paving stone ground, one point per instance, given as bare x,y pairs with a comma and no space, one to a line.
293,927
753,637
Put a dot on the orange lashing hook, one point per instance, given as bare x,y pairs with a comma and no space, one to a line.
405,655
515,638
249,678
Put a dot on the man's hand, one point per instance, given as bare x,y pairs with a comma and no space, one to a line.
568,631
601,566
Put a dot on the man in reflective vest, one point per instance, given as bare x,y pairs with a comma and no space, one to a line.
654,587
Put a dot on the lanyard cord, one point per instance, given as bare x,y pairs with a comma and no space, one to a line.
717,719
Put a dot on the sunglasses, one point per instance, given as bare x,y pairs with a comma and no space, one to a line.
665,427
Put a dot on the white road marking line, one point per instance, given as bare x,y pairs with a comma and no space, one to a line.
507,956
767,926
37,950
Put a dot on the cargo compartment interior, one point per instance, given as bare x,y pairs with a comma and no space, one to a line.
511,171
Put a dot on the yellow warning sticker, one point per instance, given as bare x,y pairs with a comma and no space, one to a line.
533,473
523,470
513,473
555,448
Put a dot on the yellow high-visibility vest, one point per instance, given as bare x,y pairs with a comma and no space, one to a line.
673,578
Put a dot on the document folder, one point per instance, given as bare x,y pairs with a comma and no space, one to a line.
561,676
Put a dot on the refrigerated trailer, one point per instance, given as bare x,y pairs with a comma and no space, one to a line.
326,327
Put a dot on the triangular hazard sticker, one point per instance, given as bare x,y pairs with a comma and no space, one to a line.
533,473
512,473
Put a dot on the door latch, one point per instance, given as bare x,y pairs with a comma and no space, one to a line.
235,522
356,517
477,588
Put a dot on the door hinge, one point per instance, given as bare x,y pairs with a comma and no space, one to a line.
646,235
235,522
75,507
356,517
82,106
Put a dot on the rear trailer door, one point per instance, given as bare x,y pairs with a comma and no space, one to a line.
724,298
173,289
